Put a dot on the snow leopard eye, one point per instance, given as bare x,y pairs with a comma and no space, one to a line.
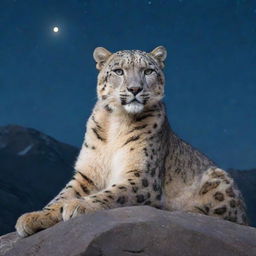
119,71
148,71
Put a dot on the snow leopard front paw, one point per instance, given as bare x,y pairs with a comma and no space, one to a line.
32,222
76,207
73,208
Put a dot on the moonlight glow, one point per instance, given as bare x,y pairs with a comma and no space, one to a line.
55,29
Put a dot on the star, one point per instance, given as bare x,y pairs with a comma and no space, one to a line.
55,29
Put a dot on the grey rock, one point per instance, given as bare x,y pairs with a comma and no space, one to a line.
140,231
7,242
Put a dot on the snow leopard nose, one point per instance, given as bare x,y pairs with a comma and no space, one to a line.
134,90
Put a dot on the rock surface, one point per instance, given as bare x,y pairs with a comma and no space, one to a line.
33,169
138,231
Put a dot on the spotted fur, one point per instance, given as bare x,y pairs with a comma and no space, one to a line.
131,156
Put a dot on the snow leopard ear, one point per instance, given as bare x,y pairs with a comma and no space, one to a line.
101,55
160,54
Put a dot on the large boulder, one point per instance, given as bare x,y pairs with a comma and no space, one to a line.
137,231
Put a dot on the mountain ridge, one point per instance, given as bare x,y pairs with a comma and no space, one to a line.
34,167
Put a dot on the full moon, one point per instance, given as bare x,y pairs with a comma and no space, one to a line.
55,29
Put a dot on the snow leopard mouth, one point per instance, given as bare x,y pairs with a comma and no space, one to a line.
134,101
134,107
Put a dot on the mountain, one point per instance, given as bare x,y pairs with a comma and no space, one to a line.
246,181
33,168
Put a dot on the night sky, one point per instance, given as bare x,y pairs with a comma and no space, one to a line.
48,80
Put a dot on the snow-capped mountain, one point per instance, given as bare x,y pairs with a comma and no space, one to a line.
33,168
246,181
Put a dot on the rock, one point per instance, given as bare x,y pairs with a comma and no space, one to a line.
7,242
140,230
34,167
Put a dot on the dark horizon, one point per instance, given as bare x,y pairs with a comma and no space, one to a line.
48,80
